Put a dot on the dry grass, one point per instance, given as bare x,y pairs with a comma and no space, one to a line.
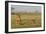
27,21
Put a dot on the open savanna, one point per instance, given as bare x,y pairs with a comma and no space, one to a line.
27,21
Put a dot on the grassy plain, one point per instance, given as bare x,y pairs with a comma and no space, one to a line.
27,21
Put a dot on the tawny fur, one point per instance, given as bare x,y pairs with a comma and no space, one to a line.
18,19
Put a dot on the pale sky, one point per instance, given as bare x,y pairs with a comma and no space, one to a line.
22,8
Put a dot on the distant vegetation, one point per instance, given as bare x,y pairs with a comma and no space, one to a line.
13,13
